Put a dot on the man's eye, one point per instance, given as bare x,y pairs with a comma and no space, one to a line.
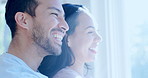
55,14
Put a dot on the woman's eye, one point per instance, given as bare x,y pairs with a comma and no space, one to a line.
55,14
90,32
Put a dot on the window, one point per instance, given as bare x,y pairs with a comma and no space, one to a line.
136,20
125,45
4,31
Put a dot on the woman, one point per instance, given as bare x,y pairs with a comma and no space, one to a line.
79,45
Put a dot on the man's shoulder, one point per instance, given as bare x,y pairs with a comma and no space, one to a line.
18,71
20,75
13,67
9,59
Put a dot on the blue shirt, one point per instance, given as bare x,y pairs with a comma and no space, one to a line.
13,67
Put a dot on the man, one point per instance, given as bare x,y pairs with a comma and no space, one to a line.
37,28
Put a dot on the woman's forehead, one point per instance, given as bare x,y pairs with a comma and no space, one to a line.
86,20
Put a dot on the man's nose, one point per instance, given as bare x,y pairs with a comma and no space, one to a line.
64,26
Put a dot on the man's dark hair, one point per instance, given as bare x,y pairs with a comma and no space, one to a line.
14,6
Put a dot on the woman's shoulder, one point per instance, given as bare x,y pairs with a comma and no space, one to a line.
67,73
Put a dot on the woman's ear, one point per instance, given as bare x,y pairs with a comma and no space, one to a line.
22,20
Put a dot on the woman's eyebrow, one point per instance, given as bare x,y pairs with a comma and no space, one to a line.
90,27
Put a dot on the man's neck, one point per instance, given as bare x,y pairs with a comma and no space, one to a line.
28,53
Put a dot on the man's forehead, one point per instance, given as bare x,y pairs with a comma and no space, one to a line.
51,5
54,8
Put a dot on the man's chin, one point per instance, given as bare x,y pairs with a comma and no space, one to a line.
57,53
54,50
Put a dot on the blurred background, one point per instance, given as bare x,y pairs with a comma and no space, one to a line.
123,25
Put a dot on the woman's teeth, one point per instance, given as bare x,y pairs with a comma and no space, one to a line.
92,48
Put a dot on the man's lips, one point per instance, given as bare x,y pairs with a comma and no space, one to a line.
58,36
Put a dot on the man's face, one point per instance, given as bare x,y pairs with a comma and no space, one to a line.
49,26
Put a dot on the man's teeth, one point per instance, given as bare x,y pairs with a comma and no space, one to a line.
58,37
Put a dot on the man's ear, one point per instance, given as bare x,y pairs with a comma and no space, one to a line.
22,20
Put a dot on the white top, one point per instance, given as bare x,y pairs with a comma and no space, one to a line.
67,73
13,67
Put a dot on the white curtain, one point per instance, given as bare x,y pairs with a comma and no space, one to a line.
113,61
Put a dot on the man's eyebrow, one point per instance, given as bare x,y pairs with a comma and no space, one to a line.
54,8
90,27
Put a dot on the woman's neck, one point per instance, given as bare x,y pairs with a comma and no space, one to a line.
78,66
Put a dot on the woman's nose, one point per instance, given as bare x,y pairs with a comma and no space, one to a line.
98,38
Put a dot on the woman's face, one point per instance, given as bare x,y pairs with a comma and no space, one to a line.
83,42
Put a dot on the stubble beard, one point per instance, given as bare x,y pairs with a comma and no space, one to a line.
38,36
